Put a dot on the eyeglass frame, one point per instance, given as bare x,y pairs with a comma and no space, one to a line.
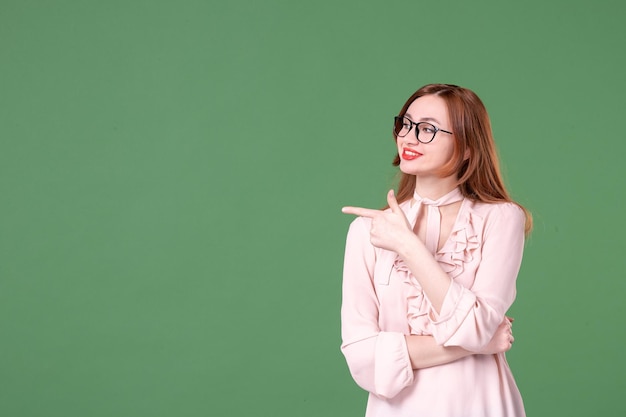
402,118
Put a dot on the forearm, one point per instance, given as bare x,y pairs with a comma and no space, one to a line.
424,352
433,280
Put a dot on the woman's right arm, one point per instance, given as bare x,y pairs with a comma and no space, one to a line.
378,361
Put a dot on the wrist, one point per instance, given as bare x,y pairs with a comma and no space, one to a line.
407,245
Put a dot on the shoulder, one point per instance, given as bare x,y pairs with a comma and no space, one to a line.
507,210
360,226
499,217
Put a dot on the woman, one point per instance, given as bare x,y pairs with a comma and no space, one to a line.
428,281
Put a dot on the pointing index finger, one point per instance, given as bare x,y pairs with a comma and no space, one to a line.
360,211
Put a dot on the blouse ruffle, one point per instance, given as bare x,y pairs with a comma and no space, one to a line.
460,247
416,308
453,256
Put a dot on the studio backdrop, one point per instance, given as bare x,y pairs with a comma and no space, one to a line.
172,173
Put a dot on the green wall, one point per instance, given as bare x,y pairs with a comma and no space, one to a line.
171,177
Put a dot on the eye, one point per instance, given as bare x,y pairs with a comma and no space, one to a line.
403,122
427,128
401,126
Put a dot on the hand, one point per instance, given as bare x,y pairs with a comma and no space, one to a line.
389,228
502,340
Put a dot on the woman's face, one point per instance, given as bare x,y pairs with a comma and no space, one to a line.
426,159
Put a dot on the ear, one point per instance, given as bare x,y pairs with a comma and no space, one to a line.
466,155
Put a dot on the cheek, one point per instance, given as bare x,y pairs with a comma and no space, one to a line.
450,152
443,154
453,148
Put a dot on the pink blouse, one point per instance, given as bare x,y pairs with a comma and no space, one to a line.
383,302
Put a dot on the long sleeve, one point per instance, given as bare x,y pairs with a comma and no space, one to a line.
470,316
378,361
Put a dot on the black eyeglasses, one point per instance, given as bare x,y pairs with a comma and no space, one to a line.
424,131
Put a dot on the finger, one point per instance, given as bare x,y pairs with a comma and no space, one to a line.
510,319
360,211
393,203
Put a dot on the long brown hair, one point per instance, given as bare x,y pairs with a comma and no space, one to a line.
478,176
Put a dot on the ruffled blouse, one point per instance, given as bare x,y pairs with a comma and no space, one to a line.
456,252
382,302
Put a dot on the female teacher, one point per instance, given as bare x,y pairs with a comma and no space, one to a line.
427,282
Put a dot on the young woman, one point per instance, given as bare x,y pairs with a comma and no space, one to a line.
428,281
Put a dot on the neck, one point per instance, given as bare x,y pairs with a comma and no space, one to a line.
434,188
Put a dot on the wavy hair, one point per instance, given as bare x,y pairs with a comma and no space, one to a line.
478,176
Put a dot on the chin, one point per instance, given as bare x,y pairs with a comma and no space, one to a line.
408,169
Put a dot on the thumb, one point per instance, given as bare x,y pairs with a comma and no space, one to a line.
393,203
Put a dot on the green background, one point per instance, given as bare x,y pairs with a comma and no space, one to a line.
171,177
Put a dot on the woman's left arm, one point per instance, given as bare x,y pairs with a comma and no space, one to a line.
469,317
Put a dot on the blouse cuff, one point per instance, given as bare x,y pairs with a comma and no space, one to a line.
393,371
457,304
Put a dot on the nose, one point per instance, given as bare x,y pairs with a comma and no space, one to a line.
410,139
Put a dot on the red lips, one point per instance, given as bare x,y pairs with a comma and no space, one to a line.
410,154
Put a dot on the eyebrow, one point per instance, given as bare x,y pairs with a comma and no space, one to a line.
424,119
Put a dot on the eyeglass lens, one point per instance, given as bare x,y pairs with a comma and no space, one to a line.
425,132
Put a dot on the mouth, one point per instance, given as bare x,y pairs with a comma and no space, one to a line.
410,154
